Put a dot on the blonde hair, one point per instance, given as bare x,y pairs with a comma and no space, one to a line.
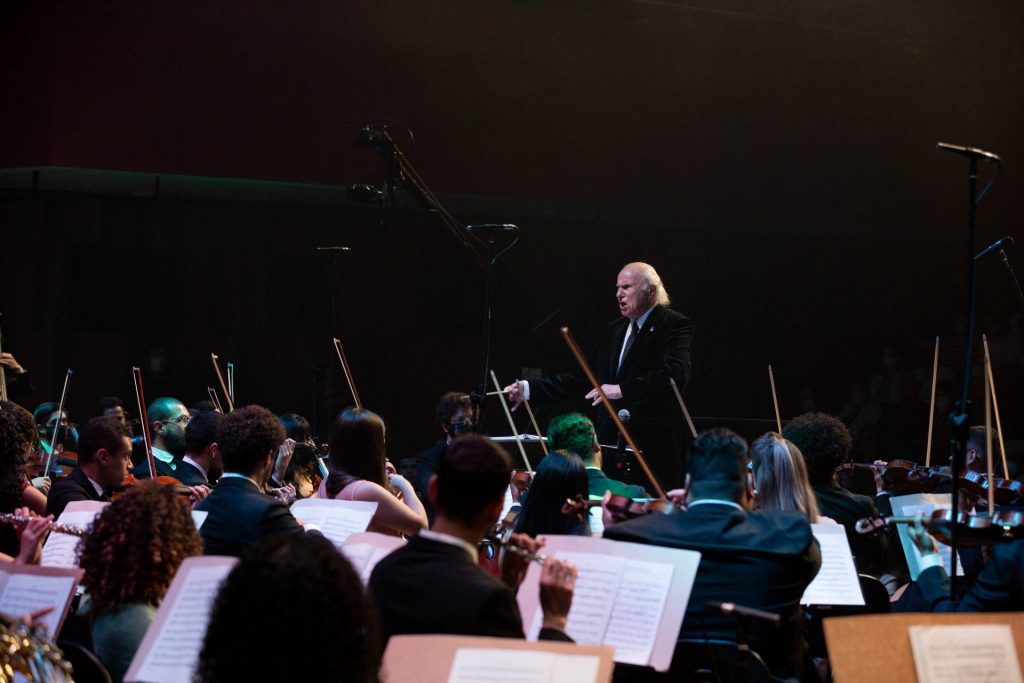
651,278
780,476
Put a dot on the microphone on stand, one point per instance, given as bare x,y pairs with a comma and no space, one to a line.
621,463
992,247
968,152
491,226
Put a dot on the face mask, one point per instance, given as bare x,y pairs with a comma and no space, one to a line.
459,428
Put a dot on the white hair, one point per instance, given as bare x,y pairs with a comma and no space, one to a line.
651,279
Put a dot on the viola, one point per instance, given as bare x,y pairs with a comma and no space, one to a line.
521,480
624,507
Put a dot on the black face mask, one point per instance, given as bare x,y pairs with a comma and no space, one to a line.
459,428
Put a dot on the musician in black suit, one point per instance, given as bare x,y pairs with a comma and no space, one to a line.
637,356
998,588
758,560
202,464
240,513
453,417
434,584
104,455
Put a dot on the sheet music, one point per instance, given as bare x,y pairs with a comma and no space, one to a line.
836,582
172,657
472,665
915,505
978,652
26,593
633,590
337,519
59,550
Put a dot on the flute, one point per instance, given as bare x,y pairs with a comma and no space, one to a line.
22,520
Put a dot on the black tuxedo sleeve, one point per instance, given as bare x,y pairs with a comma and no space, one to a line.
278,519
675,363
997,588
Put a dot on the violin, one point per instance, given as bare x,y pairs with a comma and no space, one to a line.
521,480
1004,491
971,529
901,476
622,508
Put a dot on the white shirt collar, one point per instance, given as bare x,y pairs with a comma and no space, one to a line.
714,501
643,319
450,540
163,456
99,489
190,461
237,475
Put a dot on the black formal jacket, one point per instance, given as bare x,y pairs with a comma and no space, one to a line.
190,475
426,466
660,352
998,588
75,486
870,551
755,560
432,587
241,515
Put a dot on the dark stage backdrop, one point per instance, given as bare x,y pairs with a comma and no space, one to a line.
775,162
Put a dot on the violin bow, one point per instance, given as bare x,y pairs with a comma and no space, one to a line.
60,416
931,412
682,406
511,422
147,437
988,431
533,421
220,378
995,408
3,377
213,397
231,381
775,399
339,349
585,367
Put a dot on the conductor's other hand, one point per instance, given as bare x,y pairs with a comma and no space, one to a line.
514,393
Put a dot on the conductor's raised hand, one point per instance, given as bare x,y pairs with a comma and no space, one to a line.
514,394
612,391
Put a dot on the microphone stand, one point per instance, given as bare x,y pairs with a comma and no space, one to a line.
492,259
1013,276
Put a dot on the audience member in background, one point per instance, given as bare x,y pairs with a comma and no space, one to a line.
764,561
780,478
825,444
202,464
240,513
453,417
434,584
359,471
574,432
335,637
560,478
17,544
130,556
35,490
167,420
104,454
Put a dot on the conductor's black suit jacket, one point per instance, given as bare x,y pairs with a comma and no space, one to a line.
241,515
660,352
432,587
764,561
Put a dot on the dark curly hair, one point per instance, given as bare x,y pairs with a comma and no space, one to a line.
825,442
14,445
285,571
449,405
245,437
136,545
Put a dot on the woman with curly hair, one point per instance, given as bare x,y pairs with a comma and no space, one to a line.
130,555
360,471
17,544
336,621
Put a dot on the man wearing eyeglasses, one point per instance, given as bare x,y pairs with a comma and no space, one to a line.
167,420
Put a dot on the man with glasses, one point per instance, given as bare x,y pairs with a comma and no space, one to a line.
453,417
167,420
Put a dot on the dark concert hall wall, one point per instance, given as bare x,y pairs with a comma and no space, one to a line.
775,161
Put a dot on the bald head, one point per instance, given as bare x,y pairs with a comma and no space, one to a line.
165,408
638,288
